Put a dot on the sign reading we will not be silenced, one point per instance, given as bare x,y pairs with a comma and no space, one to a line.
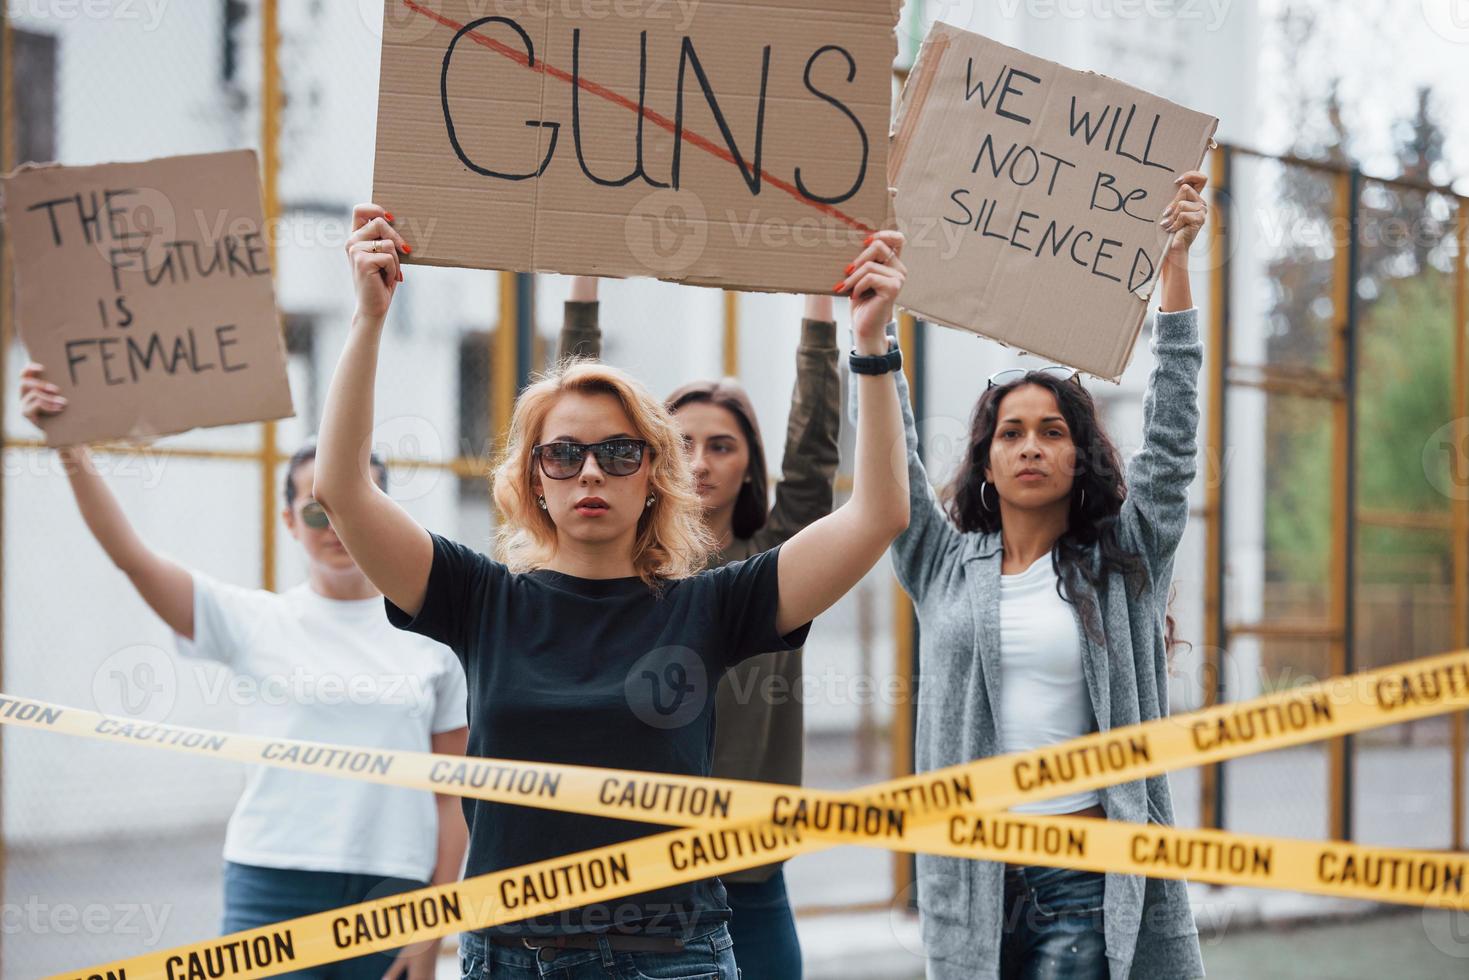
144,290
718,143
1031,195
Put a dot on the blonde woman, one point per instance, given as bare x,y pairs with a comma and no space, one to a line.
758,737
593,637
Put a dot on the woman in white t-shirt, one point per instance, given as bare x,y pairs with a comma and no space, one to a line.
318,662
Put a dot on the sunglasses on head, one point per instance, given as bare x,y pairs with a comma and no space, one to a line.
615,457
314,515
1012,375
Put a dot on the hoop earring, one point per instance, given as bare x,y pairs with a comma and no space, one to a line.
541,502
982,504
1082,504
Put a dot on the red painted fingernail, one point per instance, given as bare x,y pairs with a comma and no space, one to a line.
851,268
407,248
839,287
870,239
389,215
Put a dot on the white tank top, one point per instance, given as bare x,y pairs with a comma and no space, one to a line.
1043,692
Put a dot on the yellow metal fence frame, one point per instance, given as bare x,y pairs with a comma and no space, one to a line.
1337,388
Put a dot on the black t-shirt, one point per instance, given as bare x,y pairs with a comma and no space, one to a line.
594,672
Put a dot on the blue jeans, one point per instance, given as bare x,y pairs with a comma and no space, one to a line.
764,929
1053,925
708,955
255,896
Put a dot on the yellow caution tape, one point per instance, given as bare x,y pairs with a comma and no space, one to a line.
733,825
1413,877
1309,713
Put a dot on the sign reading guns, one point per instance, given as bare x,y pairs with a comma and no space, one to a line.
1031,194
144,289
720,144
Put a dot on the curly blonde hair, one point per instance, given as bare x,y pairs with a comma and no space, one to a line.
672,542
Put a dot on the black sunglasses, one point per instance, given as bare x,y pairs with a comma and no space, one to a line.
616,457
1012,375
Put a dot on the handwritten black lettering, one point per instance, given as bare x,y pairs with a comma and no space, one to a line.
459,151
1012,163
752,173
639,169
1105,187
126,359
842,108
1004,86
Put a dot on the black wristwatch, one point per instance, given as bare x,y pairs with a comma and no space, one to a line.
877,363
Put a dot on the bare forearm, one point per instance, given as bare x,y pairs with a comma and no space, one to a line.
343,447
879,476
453,839
1177,294
583,289
390,547
101,511
820,308
166,586
826,559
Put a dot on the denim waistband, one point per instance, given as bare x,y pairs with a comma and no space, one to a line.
478,943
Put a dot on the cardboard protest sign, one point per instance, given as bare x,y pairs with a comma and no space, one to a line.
1031,194
145,291
716,143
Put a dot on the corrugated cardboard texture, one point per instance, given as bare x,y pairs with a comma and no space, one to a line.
539,137
1031,193
145,291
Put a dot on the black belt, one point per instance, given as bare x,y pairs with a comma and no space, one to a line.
617,941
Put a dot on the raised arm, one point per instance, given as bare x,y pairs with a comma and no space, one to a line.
165,585
581,331
388,545
824,561
1155,512
808,468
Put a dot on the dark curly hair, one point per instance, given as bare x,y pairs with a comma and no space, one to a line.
1090,548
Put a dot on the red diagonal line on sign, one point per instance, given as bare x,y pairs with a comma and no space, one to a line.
658,119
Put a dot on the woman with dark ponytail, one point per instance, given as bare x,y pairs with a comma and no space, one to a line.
1041,580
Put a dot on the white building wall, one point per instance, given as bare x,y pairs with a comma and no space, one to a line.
74,628
135,90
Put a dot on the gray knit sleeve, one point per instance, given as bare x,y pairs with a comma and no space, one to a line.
1155,513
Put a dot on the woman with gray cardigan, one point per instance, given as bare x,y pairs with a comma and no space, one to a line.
1041,590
